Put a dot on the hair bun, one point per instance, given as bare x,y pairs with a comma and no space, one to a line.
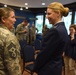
66,11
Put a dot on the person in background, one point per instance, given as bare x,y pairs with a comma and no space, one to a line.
28,33
44,30
9,46
49,60
71,46
21,30
33,33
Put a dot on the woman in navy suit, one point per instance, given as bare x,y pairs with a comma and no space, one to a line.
49,60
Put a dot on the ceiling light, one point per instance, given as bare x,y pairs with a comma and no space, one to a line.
26,3
43,3
5,5
21,8
26,7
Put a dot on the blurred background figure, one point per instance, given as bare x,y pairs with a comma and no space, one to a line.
22,30
28,33
44,30
33,31
70,52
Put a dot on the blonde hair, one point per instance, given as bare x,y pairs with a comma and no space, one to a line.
5,11
56,6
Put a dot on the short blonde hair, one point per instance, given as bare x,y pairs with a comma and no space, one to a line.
58,6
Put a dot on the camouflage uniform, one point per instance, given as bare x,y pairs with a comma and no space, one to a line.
33,34
9,53
19,32
27,34
13,30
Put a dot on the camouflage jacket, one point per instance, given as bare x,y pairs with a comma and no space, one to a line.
9,53
19,32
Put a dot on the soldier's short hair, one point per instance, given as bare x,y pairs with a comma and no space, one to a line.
25,21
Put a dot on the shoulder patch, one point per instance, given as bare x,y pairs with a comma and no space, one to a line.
12,50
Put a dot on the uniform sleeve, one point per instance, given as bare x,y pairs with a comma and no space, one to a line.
12,58
49,46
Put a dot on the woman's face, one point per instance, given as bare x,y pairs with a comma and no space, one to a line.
10,21
52,16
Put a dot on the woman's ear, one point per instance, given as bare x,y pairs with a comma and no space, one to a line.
3,19
58,13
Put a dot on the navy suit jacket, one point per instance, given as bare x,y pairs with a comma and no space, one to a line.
49,60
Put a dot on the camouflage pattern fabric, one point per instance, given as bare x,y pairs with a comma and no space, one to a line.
19,32
33,34
9,53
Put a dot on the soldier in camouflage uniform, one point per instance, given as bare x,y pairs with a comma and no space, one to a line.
44,30
21,30
33,30
9,46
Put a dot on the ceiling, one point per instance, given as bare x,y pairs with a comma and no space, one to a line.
33,3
